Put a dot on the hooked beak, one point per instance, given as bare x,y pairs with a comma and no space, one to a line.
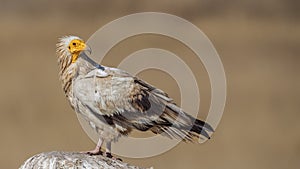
88,49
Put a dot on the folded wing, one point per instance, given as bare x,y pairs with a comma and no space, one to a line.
127,103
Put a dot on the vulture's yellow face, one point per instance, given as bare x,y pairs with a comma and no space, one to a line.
69,48
75,47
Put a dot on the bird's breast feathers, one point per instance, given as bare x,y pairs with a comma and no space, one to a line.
103,92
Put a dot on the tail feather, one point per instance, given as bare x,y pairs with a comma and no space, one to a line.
200,130
204,125
175,123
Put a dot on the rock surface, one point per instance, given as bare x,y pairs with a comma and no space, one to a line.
55,159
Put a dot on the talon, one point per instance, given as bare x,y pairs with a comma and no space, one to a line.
93,152
109,155
119,159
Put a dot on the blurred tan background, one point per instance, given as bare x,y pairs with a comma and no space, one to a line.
258,42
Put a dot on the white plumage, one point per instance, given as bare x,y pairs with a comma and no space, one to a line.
114,102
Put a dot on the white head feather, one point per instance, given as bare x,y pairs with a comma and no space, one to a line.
63,44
